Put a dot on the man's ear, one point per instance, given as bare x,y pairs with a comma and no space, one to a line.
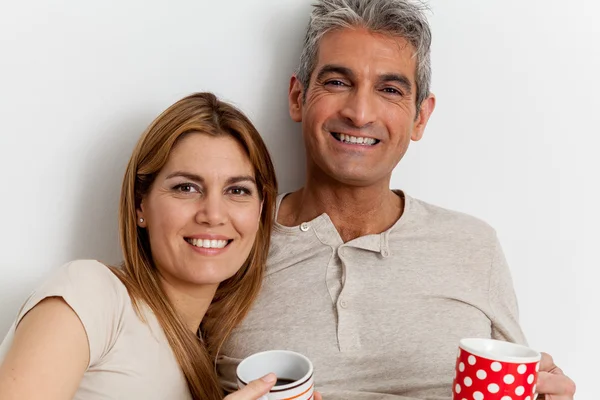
295,98
425,111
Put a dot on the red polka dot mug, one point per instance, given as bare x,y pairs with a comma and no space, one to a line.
488,369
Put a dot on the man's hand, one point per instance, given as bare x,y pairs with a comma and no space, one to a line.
553,384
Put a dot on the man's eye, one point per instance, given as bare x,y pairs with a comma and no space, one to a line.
392,90
335,82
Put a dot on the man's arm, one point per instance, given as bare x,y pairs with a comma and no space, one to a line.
552,382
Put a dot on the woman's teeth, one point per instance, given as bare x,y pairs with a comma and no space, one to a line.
208,244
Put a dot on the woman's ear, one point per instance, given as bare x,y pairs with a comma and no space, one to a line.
141,220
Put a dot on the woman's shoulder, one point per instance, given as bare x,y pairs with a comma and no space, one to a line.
96,295
86,277
89,270
85,282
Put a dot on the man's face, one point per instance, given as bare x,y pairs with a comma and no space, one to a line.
359,113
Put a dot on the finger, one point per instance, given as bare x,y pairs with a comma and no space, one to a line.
547,363
549,397
555,384
556,371
255,389
318,396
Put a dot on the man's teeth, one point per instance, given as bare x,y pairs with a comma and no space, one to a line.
356,140
208,244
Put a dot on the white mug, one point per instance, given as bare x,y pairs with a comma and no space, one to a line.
294,374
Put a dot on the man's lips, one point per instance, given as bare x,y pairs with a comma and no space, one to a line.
357,140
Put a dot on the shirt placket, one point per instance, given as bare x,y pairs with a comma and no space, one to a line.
347,329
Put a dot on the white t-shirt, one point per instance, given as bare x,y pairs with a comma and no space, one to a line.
129,358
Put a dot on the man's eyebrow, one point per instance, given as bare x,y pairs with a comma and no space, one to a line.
334,69
402,80
199,179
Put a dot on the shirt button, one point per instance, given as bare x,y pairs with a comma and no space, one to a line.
304,227
385,252
343,303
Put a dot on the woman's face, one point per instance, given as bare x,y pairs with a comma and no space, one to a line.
202,212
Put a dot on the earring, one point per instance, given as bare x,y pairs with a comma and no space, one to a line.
141,220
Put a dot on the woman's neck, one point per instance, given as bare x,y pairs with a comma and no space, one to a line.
190,301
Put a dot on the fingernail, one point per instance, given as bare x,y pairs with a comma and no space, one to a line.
269,378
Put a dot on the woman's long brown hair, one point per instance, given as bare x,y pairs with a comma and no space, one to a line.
198,113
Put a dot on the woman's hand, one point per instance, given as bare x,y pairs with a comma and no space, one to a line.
257,389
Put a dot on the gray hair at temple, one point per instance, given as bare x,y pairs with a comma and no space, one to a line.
403,18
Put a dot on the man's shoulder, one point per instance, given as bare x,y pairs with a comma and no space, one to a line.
446,221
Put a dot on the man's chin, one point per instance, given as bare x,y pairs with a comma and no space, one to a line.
360,177
337,172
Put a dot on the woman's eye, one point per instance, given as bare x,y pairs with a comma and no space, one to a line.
240,191
186,188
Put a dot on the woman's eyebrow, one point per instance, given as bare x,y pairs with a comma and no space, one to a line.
199,179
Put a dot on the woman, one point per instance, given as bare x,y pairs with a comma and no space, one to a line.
195,217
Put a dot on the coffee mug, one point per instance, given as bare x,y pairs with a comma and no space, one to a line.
488,369
294,374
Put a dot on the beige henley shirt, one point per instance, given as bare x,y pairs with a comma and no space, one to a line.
381,315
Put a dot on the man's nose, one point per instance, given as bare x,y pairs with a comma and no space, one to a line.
360,108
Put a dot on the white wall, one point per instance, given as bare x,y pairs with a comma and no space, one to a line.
512,140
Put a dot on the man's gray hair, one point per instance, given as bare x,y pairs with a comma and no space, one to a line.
402,18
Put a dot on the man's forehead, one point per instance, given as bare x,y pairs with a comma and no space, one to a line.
360,49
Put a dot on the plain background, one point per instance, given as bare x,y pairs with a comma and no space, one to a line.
514,138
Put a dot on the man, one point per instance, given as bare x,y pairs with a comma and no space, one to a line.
374,286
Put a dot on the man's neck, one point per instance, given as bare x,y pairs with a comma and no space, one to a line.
355,211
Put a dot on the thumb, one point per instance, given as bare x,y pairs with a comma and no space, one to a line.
255,389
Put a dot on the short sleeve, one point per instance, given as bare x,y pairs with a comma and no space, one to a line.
503,301
96,295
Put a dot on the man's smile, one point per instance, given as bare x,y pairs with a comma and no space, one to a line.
364,141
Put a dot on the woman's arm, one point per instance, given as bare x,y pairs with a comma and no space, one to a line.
48,356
